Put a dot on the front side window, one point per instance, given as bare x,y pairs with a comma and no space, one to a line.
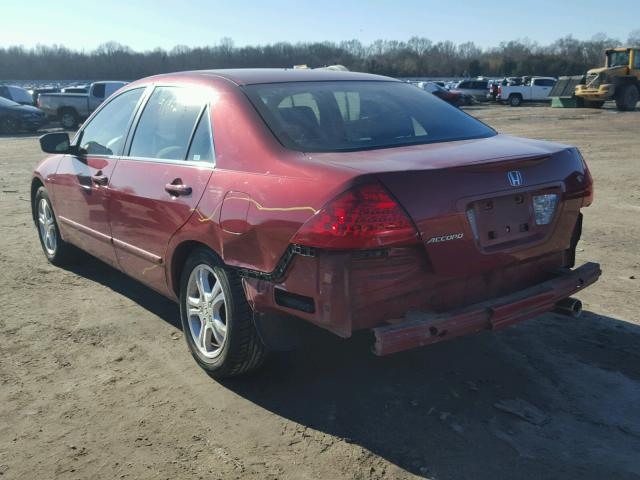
166,123
544,82
618,59
359,115
104,134
429,87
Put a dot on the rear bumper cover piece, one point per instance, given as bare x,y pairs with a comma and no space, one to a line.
420,328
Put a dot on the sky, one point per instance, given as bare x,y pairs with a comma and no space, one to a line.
146,24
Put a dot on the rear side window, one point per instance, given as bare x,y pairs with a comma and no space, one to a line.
544,82
98,90
166,123
201,149
358,115
105,133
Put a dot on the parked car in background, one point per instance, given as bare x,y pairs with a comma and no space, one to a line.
348,200
76,89
536,89
36,92
71,108
454,98
17,94
15,117
477,89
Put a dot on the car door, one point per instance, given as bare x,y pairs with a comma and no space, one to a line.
81,183
541,88
465,88
158,184
480,88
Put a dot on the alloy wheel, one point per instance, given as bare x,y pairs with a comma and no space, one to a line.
47,227
206,311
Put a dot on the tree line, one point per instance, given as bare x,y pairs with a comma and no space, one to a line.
417,57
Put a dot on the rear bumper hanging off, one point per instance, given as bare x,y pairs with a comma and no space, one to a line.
421,328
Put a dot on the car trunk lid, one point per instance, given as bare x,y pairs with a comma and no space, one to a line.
472,201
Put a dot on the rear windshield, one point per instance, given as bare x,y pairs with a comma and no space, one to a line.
359,115
5,102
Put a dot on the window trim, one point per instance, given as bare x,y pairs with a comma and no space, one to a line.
205,111
290,148
78,136
125,155
193,130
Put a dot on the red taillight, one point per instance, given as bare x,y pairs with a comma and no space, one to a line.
588,179
364,217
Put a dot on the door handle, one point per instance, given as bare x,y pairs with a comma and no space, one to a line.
176,188
100,179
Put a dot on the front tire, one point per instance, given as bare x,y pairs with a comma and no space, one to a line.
216,319
8,125
57,251
627,98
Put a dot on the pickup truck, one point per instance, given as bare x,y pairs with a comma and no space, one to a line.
71,108
534,90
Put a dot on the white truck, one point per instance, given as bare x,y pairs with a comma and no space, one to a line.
71,108
535,89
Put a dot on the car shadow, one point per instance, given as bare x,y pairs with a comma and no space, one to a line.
553,397
99,272
533,399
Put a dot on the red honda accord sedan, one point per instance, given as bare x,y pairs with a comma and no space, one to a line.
348,200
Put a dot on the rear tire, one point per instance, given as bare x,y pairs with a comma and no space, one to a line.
515,100
627,98
593,104
57,251
216,319
68,119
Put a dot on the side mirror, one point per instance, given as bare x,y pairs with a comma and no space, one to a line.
55,143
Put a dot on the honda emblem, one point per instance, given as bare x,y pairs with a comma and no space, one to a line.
515,178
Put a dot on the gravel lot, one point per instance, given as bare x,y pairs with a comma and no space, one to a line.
96,381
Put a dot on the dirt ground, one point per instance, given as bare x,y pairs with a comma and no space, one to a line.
96,381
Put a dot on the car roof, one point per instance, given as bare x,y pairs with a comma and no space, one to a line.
249,76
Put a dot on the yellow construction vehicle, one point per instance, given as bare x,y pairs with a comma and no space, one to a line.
618,80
